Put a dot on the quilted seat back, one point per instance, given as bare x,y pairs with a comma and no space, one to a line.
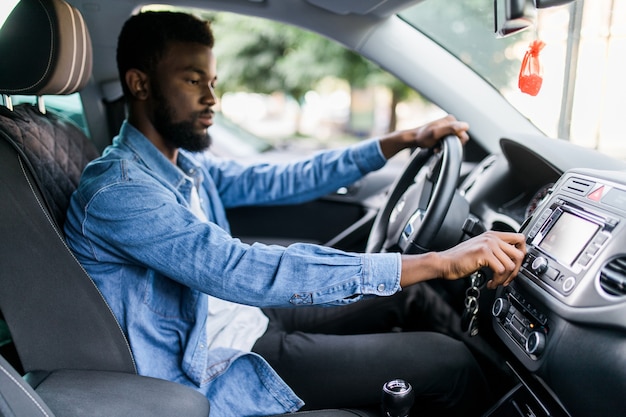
57,317
54,149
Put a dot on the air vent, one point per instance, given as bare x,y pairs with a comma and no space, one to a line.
613,277
476,173
578,186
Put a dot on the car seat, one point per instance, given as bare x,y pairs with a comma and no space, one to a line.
69,344
17,398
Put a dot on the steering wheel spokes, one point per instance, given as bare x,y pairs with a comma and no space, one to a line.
424,211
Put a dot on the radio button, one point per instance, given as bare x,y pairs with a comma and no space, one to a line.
528,260
552,273
600,239
584,259
592,249
519,337
569,283
539,265
544,216
542,319
519,326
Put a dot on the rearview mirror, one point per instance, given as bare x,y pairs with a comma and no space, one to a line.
512,16
543,4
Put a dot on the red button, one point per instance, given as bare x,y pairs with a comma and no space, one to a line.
597,194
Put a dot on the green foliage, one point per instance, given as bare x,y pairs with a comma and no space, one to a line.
263,56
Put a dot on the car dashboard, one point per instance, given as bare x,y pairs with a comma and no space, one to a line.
563,319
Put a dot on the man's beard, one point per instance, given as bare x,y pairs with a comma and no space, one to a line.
180,134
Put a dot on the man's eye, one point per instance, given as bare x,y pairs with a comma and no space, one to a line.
194,82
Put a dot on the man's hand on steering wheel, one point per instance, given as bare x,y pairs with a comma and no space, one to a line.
425,136
414,218
501,252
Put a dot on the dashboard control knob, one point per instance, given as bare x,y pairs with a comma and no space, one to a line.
569,283
500,307
536,343
539,265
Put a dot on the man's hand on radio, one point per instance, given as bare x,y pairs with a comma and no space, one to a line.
502,252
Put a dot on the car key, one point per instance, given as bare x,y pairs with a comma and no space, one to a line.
469,318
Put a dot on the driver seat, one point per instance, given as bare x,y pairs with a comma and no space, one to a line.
70,347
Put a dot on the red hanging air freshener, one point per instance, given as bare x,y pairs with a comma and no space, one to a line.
531,74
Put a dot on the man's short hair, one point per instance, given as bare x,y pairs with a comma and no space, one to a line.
144,37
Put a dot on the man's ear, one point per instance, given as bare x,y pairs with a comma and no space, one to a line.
138,83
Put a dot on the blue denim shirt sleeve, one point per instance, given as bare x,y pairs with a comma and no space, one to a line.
295,182
139,222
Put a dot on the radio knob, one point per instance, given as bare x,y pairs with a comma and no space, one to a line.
500,307
536,343
539,265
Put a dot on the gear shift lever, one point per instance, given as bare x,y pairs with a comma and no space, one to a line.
397,398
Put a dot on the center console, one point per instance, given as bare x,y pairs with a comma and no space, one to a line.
570,295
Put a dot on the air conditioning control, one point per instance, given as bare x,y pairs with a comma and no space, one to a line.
500,308
535,343
521,320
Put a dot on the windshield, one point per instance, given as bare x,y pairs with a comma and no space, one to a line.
583,91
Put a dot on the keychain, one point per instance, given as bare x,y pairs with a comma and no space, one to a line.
469,318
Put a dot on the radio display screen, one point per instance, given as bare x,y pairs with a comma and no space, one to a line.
568,237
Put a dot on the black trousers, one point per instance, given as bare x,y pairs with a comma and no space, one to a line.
336,357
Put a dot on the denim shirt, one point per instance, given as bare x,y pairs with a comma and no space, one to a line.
130,226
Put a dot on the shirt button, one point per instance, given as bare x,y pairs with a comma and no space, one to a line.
381,287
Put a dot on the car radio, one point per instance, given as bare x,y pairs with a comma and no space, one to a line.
564,241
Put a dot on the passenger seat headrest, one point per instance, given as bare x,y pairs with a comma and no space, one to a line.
45,48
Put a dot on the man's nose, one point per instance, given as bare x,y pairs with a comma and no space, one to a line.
209,96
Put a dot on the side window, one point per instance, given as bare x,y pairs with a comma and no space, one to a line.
298,88
297,91
5,335
68,107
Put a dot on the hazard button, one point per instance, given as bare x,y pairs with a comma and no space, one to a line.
596,195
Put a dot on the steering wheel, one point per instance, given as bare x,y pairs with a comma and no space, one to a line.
412,219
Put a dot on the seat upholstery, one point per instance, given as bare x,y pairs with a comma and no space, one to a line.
57,157
43,286
53,55
59,61
17,398
72,393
